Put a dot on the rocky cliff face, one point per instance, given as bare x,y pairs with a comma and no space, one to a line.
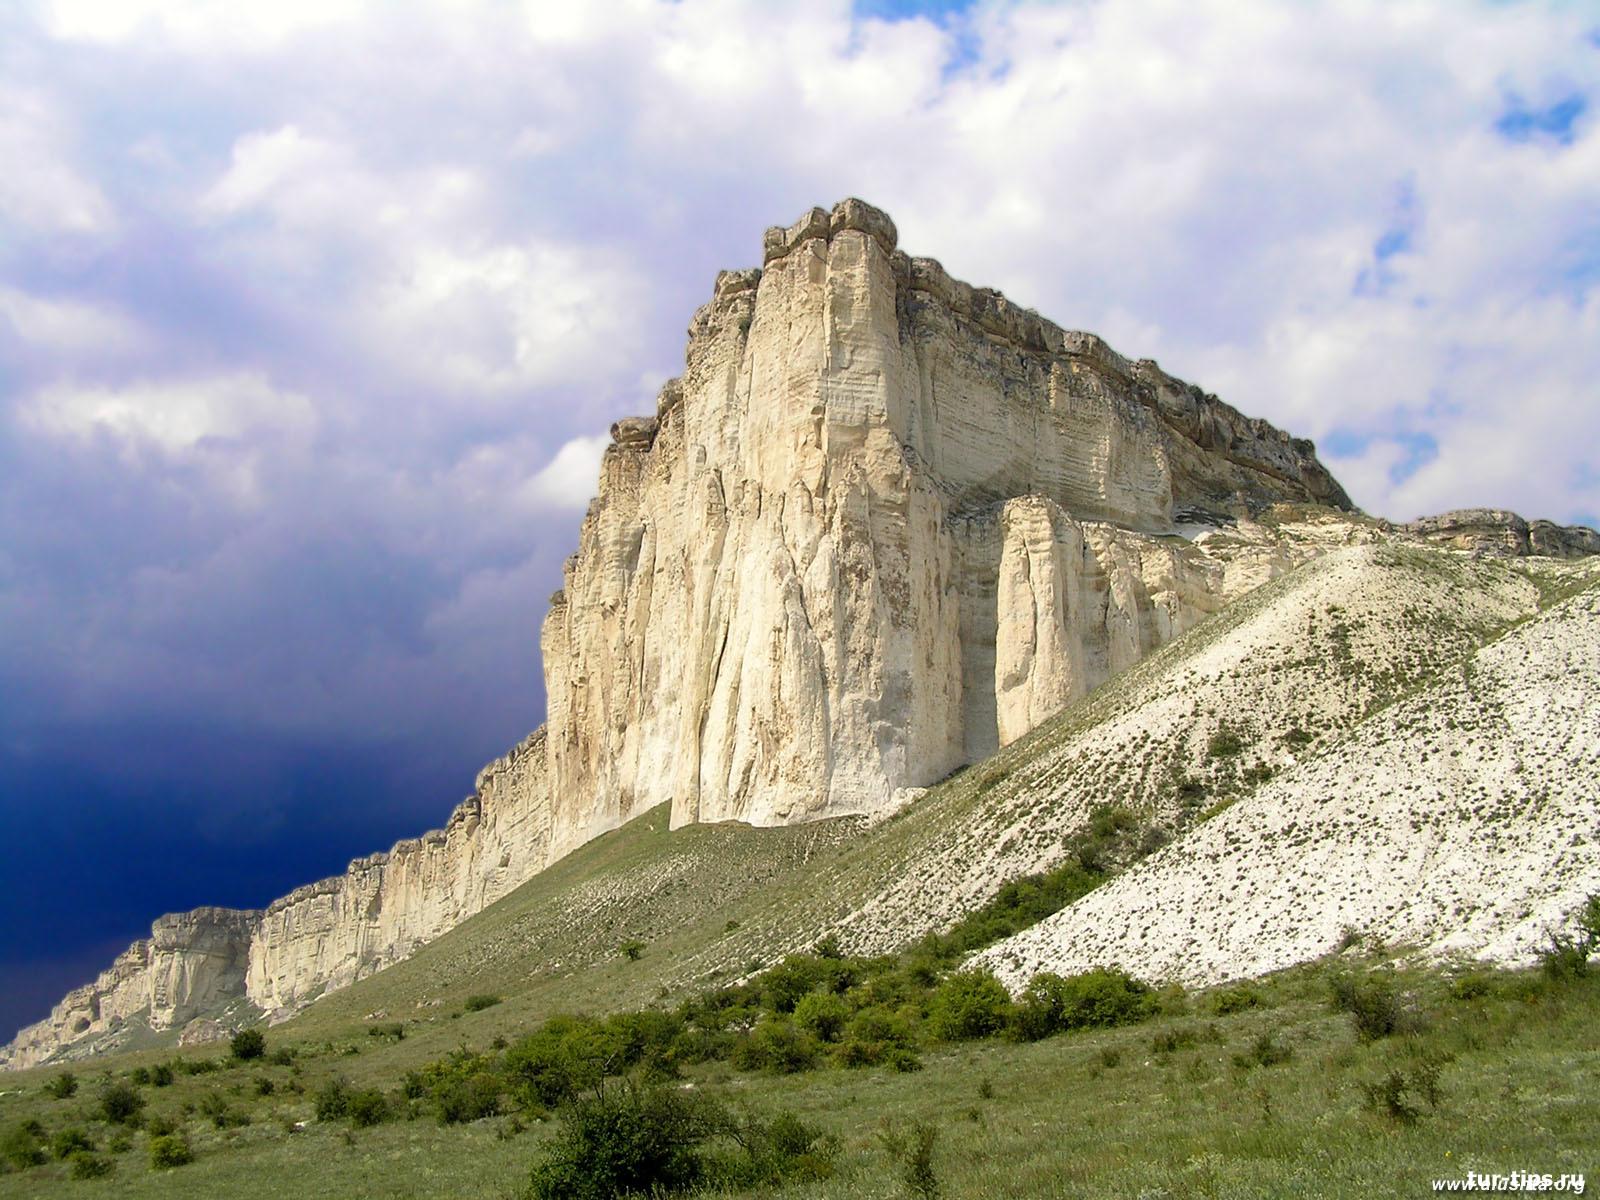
190,964
787,597
883,524
1492,531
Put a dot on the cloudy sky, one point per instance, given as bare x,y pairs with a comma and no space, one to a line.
313,315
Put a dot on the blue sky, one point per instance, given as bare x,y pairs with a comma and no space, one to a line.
313,317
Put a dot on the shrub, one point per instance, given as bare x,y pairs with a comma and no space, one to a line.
632,950
783,985
969,1004
215,1106
876,1036
248,1044
393,1030
1225,743
366,1108
1237,999
823,1014
62,1086
1375,1007
478,1002
912,1152
468,1096
84,1165
332,1100
770,1153
140,1076
68,1141
161,1075
777,1045
159,1125
1472,986
627,1141
120,1103
1095,999
170,1151
562,1057
1567,957
20,1146
1265,1051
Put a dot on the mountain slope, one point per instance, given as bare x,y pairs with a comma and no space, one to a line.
1287,674
1464,818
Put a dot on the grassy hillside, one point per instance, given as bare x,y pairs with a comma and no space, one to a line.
1301,677
1266,1093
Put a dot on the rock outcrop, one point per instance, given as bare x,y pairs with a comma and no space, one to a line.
786,600
883,524
1492,531
191,963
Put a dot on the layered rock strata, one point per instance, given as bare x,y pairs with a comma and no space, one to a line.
786,600
1495,532
190,964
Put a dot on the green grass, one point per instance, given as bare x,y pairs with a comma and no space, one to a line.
1186,1105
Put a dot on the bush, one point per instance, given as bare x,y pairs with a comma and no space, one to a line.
62,1086
67,1141
160,1125
120,1104
332,1100
777,1045
876,1036
1567,957
366,1108
969,1004
564,1056
84,1165
823,1014
1375,1007
627,1141
1265,1051
20,1146
248,1044
161,1075
1096,999
1225,743
1236,999
632,950
913,1154
1472,986
770,1153
215,1106
170,1151
481,1001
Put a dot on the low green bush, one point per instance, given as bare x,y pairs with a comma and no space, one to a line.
82,1164
481,1001
68,1141
62,1086
20,1146
1374,1004
248,1044
969,1004
170,1151
120,1103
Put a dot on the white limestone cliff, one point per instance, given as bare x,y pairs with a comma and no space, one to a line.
883,524
787,601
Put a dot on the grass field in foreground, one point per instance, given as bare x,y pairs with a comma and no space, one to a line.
1183,1105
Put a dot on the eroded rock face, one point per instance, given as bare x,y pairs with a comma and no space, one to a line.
787,597
191,963
1495,532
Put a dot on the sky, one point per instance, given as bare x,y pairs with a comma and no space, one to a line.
314,315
